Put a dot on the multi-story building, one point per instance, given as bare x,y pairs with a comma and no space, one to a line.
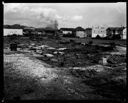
67,30
115,32
8,31
80,32
88,31
124,33
99,30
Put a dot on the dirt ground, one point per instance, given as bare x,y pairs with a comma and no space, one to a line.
40,81
28,78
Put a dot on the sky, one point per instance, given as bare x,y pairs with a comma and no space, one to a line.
69,15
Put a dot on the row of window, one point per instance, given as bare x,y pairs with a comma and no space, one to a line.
95,31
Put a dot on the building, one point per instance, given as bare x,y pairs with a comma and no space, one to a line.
50,31
8,31
88,31
115,32
40,31
124,33
80,32
66,31
99,30
29,31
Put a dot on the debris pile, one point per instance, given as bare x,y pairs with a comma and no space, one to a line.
72,54
110,83
88,72
116,59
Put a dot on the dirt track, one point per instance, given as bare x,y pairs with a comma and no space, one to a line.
29,67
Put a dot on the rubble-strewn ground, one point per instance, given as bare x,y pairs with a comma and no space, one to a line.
66,71
28,78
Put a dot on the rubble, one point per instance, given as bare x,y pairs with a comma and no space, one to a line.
62,49
95,65
51,48
54,60
43,46
38,51
103,61
48,55
87,72
55,52
97,68
80,55
116,59
110,82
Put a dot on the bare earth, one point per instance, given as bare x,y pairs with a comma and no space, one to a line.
51,83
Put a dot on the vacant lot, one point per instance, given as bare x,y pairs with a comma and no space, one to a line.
52,42
97,41
76,73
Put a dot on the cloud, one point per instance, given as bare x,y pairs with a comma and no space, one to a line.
45,11
12,7
77,18
58,16
23,13
66,14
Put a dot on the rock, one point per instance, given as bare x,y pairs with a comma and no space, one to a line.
61,53
38,51
54,60
62,48
49,55
122,50
55,52
115,59
51,48
33,44
43,46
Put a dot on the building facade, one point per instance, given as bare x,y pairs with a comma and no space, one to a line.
124,33
80,32
115,32
67,30
88,31
13,31
99,30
